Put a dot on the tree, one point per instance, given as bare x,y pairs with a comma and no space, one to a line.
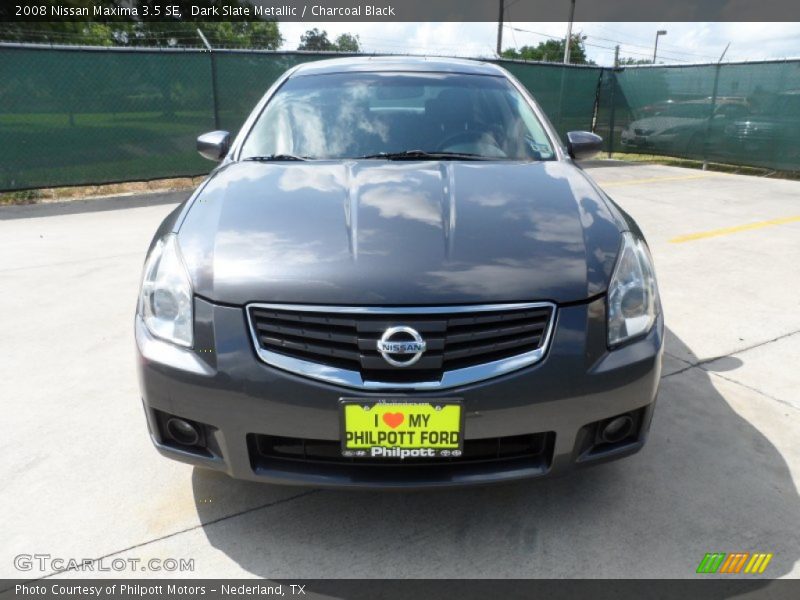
634,61
317,41
348,42
552,51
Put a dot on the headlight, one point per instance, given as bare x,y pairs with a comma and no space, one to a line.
165,301
633,302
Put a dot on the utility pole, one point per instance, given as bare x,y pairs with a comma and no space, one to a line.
616,56
569,31
660,32
500,29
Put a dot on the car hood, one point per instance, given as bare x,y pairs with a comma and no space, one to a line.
659,124
399,233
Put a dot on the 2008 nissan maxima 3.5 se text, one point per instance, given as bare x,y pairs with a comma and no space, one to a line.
397,276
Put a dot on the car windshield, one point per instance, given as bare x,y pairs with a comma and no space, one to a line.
412,115
690,111
788,105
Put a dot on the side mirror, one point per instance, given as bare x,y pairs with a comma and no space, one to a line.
214,145
582,145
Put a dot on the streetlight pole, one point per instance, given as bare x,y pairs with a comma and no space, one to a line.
569,32
660,32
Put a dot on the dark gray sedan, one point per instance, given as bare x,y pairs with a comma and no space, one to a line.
398,277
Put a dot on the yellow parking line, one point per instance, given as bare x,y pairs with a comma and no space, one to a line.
653,180
726,230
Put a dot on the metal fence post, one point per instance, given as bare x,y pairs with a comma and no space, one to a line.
613,114
706,140
711,111
214,97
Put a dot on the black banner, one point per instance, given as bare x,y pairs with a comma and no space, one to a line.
401,589
401,10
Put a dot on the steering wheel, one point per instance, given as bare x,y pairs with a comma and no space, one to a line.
468,136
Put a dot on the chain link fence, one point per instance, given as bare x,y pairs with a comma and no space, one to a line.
741,114
84,116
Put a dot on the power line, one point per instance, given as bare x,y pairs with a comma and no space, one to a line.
669,54
610,48
648,43
670,48
648,47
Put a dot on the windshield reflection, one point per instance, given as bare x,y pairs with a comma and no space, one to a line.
352,115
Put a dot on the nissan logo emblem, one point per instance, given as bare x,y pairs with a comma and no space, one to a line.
395,343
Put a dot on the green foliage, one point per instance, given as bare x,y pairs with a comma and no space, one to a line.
551,51
21,197
627,60
348,43
317,41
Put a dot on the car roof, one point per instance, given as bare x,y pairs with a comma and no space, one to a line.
420,64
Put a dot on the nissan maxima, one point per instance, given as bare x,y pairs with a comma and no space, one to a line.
398,276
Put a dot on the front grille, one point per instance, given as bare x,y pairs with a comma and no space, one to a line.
347,339
267,451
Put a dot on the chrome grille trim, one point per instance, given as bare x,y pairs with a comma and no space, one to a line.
353,379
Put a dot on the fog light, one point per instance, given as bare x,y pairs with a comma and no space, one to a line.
183,432
616,429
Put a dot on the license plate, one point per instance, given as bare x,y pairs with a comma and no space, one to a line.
397,428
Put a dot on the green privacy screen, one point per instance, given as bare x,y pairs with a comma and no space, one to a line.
78,117
566,94
72,117
745,114
88,116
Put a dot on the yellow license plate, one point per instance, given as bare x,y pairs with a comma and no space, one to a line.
394,428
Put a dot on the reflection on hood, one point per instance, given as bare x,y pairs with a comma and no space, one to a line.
377,232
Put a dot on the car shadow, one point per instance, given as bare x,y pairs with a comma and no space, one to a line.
706,481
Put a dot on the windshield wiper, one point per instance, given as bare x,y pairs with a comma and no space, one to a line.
425,155
277,158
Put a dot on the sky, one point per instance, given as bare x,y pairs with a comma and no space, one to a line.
684,42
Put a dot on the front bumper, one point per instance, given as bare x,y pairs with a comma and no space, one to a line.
222,384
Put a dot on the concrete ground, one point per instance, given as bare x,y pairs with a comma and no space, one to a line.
720,471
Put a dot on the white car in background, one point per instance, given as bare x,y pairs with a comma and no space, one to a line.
683,127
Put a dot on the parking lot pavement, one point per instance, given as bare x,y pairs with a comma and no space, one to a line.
81,480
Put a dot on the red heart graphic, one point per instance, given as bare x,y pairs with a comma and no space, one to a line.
393,420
